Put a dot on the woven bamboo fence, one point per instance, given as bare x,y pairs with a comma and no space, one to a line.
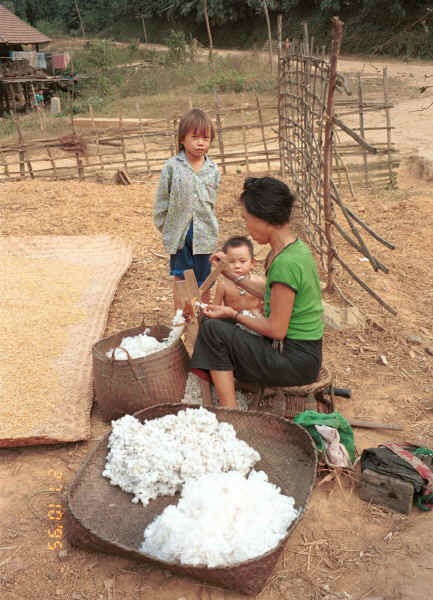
246,141
323,155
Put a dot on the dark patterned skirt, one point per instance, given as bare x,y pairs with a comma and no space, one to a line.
223,346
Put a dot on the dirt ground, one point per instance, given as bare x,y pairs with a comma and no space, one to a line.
343,548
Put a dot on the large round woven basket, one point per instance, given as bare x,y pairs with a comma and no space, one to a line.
103,518
126,386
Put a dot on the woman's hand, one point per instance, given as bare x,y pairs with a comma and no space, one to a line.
219,257
219,311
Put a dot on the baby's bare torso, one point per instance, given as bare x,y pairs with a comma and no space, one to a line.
239,299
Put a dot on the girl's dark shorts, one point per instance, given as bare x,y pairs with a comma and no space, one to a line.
185,259
222,346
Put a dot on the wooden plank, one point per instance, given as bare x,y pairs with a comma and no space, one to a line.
212,277
191,284
387,491
189,293
373,425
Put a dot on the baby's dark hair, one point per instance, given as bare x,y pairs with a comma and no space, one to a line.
237,242
195,120
268,199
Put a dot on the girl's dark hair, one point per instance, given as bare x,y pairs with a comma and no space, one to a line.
237,242
195,120
268,199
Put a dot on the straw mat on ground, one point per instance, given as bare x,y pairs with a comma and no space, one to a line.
55,296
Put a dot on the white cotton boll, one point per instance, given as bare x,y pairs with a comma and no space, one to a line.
144,344
221,519
157,457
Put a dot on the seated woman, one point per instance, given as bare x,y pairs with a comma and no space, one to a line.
289,350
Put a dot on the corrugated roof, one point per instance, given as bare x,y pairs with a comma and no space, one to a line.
15,31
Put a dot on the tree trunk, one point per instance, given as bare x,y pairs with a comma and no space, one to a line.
209,33
144,29
83,34
268,24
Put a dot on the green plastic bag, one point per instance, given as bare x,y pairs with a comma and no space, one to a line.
310,418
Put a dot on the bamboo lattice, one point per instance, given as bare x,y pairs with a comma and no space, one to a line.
304,91
246,141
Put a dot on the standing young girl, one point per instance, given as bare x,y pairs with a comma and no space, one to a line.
185,200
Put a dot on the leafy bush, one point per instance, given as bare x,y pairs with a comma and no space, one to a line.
177,47
52,29
139,83
224,81
232,80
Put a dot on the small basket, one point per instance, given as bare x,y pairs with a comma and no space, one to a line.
289,401
126,386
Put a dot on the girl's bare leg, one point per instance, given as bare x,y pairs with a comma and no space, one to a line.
224,383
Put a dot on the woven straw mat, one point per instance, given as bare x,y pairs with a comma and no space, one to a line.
55,295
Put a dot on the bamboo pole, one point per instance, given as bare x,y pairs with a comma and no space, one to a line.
83,33
29,167
219,130
268,26
52,161
5,164
143,24
327,153
259,112
306,40
122,139
209,34
146,155
244,139
361,127
95,131
176,140
365,286
21,151
280,35
282,131
388,126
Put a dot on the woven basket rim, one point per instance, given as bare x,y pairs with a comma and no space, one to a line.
201,567
154,356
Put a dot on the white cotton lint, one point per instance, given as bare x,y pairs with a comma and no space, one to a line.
157,457
221,519
144,344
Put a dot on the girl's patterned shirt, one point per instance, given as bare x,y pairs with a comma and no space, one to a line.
184,196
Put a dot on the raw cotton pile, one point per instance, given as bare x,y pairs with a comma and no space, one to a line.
143,344
157,457
221,519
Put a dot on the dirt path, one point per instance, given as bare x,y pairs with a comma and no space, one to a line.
344,549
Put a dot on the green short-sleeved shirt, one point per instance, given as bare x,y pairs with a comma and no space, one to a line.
295,267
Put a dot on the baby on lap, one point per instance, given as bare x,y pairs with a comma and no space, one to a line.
239,253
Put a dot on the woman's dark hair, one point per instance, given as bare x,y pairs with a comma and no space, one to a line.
268,199
238,242
195,120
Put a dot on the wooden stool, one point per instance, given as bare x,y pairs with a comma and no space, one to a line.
289,401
